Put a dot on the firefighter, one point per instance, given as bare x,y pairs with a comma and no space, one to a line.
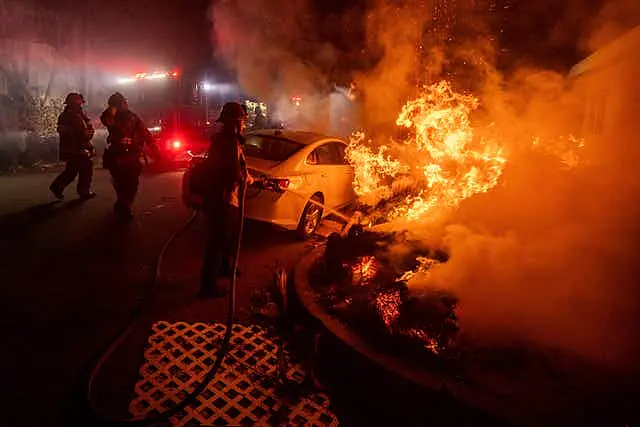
228,171
76,149
260,121
123,156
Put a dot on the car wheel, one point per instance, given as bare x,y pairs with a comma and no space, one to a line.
310,219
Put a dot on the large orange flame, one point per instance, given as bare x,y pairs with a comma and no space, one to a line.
441,158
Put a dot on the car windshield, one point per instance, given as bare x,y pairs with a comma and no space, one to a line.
270,148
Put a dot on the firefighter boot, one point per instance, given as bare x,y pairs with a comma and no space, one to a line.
123,211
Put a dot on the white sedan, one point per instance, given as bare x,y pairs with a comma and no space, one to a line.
307,175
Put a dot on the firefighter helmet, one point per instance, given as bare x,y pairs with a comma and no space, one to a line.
74,98
116,100
233,111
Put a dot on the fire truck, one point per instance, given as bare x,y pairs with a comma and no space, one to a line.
174,108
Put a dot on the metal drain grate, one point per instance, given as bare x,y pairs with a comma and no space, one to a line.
243,392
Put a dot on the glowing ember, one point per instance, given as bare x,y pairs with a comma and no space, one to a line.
424,265
388,305
446,163
430,343
365,270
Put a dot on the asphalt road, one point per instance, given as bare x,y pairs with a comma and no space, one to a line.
70,275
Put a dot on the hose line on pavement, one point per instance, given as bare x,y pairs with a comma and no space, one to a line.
135,315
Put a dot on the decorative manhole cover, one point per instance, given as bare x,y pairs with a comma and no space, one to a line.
243,392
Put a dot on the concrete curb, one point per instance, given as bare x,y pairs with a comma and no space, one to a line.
429,380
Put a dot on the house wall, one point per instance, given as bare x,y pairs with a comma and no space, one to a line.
608,83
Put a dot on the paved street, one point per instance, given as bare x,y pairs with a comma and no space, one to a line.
71,276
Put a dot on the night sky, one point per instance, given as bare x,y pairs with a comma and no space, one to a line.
546,32
169,32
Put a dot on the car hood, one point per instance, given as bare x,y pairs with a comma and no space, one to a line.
261,164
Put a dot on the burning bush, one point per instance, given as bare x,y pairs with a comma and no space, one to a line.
410,183
360,284
431,168
437,164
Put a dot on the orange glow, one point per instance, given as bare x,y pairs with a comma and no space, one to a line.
424,265
296,100
176,144
430,343
388,305
365,270
569,150
443,159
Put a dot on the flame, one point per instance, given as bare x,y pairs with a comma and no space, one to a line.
365,270
424,265
370,169
441,158
569,150
430,343
388,305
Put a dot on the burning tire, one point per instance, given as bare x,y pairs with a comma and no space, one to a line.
310,219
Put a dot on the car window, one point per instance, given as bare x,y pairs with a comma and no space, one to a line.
321,156
339,153
312,159
270,148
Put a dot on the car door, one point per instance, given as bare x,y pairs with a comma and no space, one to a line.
324,173
345,175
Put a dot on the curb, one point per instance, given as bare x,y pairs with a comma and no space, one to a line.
429,381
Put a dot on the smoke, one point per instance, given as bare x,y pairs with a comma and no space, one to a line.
261,41
276,52
548,256
613,19
394,29
283,48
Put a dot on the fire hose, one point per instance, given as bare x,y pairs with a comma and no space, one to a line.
136,314
268,184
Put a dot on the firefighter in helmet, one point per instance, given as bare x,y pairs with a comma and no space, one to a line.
228,171
76,149
123,156
260,121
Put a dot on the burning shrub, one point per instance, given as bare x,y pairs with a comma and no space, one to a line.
437,163
360,284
